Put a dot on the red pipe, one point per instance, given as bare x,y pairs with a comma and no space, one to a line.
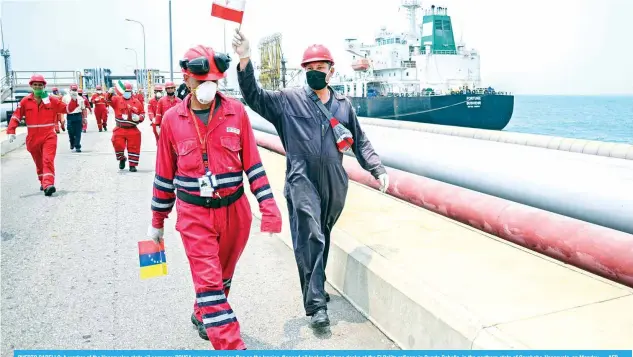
600,250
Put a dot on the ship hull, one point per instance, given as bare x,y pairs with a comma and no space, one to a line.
492,112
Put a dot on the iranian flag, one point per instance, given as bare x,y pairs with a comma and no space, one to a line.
230,10
119,87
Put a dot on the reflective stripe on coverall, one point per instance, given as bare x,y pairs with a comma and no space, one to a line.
316,182
41,140
126,134
213,238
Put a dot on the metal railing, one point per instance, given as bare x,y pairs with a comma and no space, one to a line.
20,80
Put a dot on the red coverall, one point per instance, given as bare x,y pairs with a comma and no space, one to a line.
84,113
41,141
126,130
213,238
162,106
151,111
101,110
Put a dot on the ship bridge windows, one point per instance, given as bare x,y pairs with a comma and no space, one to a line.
444,25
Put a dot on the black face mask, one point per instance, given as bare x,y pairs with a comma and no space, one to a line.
171,94
316,79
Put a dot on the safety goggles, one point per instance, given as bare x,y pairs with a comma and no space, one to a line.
201,66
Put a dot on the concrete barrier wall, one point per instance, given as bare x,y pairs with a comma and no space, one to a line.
590,188
590,147
429,282
601,250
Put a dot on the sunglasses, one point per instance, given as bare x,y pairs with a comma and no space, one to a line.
201,65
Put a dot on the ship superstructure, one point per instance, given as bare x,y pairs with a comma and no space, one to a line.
434,79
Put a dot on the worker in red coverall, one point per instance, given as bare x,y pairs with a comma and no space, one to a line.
165,104
100,104
140,96
40,111
151,107
60,117
84,112
214,216
128,113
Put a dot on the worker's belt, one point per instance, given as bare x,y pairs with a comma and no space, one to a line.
210,202
124,125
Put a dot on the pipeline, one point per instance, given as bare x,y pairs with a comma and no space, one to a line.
586,187
590,147
600,250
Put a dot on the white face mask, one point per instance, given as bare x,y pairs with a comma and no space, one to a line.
99,92
159,94
205,92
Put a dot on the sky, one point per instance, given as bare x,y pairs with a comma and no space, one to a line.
571,47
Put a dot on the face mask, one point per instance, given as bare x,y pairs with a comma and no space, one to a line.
38,92
205,92
316,79
159,94
99,92
127,95
171,94
56,92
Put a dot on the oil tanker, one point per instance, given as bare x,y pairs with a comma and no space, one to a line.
422,76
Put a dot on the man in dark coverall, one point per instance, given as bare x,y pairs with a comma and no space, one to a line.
314,141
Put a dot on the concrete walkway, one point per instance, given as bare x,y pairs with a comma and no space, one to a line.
70,267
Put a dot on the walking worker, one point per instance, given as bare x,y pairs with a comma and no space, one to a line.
205,145
314,140
164,104
128,114
75,119
40,111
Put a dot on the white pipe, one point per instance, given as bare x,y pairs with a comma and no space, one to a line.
591,147
586,187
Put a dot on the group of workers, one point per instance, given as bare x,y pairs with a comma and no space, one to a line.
205,143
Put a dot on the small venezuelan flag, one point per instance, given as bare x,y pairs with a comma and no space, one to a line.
152,259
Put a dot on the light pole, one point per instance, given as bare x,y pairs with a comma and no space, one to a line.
136,55
144,57
171,50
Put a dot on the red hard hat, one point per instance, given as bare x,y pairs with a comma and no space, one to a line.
73,87
37,78
170,85
316,53
128,87
158,87
98,88
200,51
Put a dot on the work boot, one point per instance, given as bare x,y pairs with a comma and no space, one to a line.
41,188
84,131
320,319
327,297
78,150
202,332
49,191
122,164
132,168
72,146
100,130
